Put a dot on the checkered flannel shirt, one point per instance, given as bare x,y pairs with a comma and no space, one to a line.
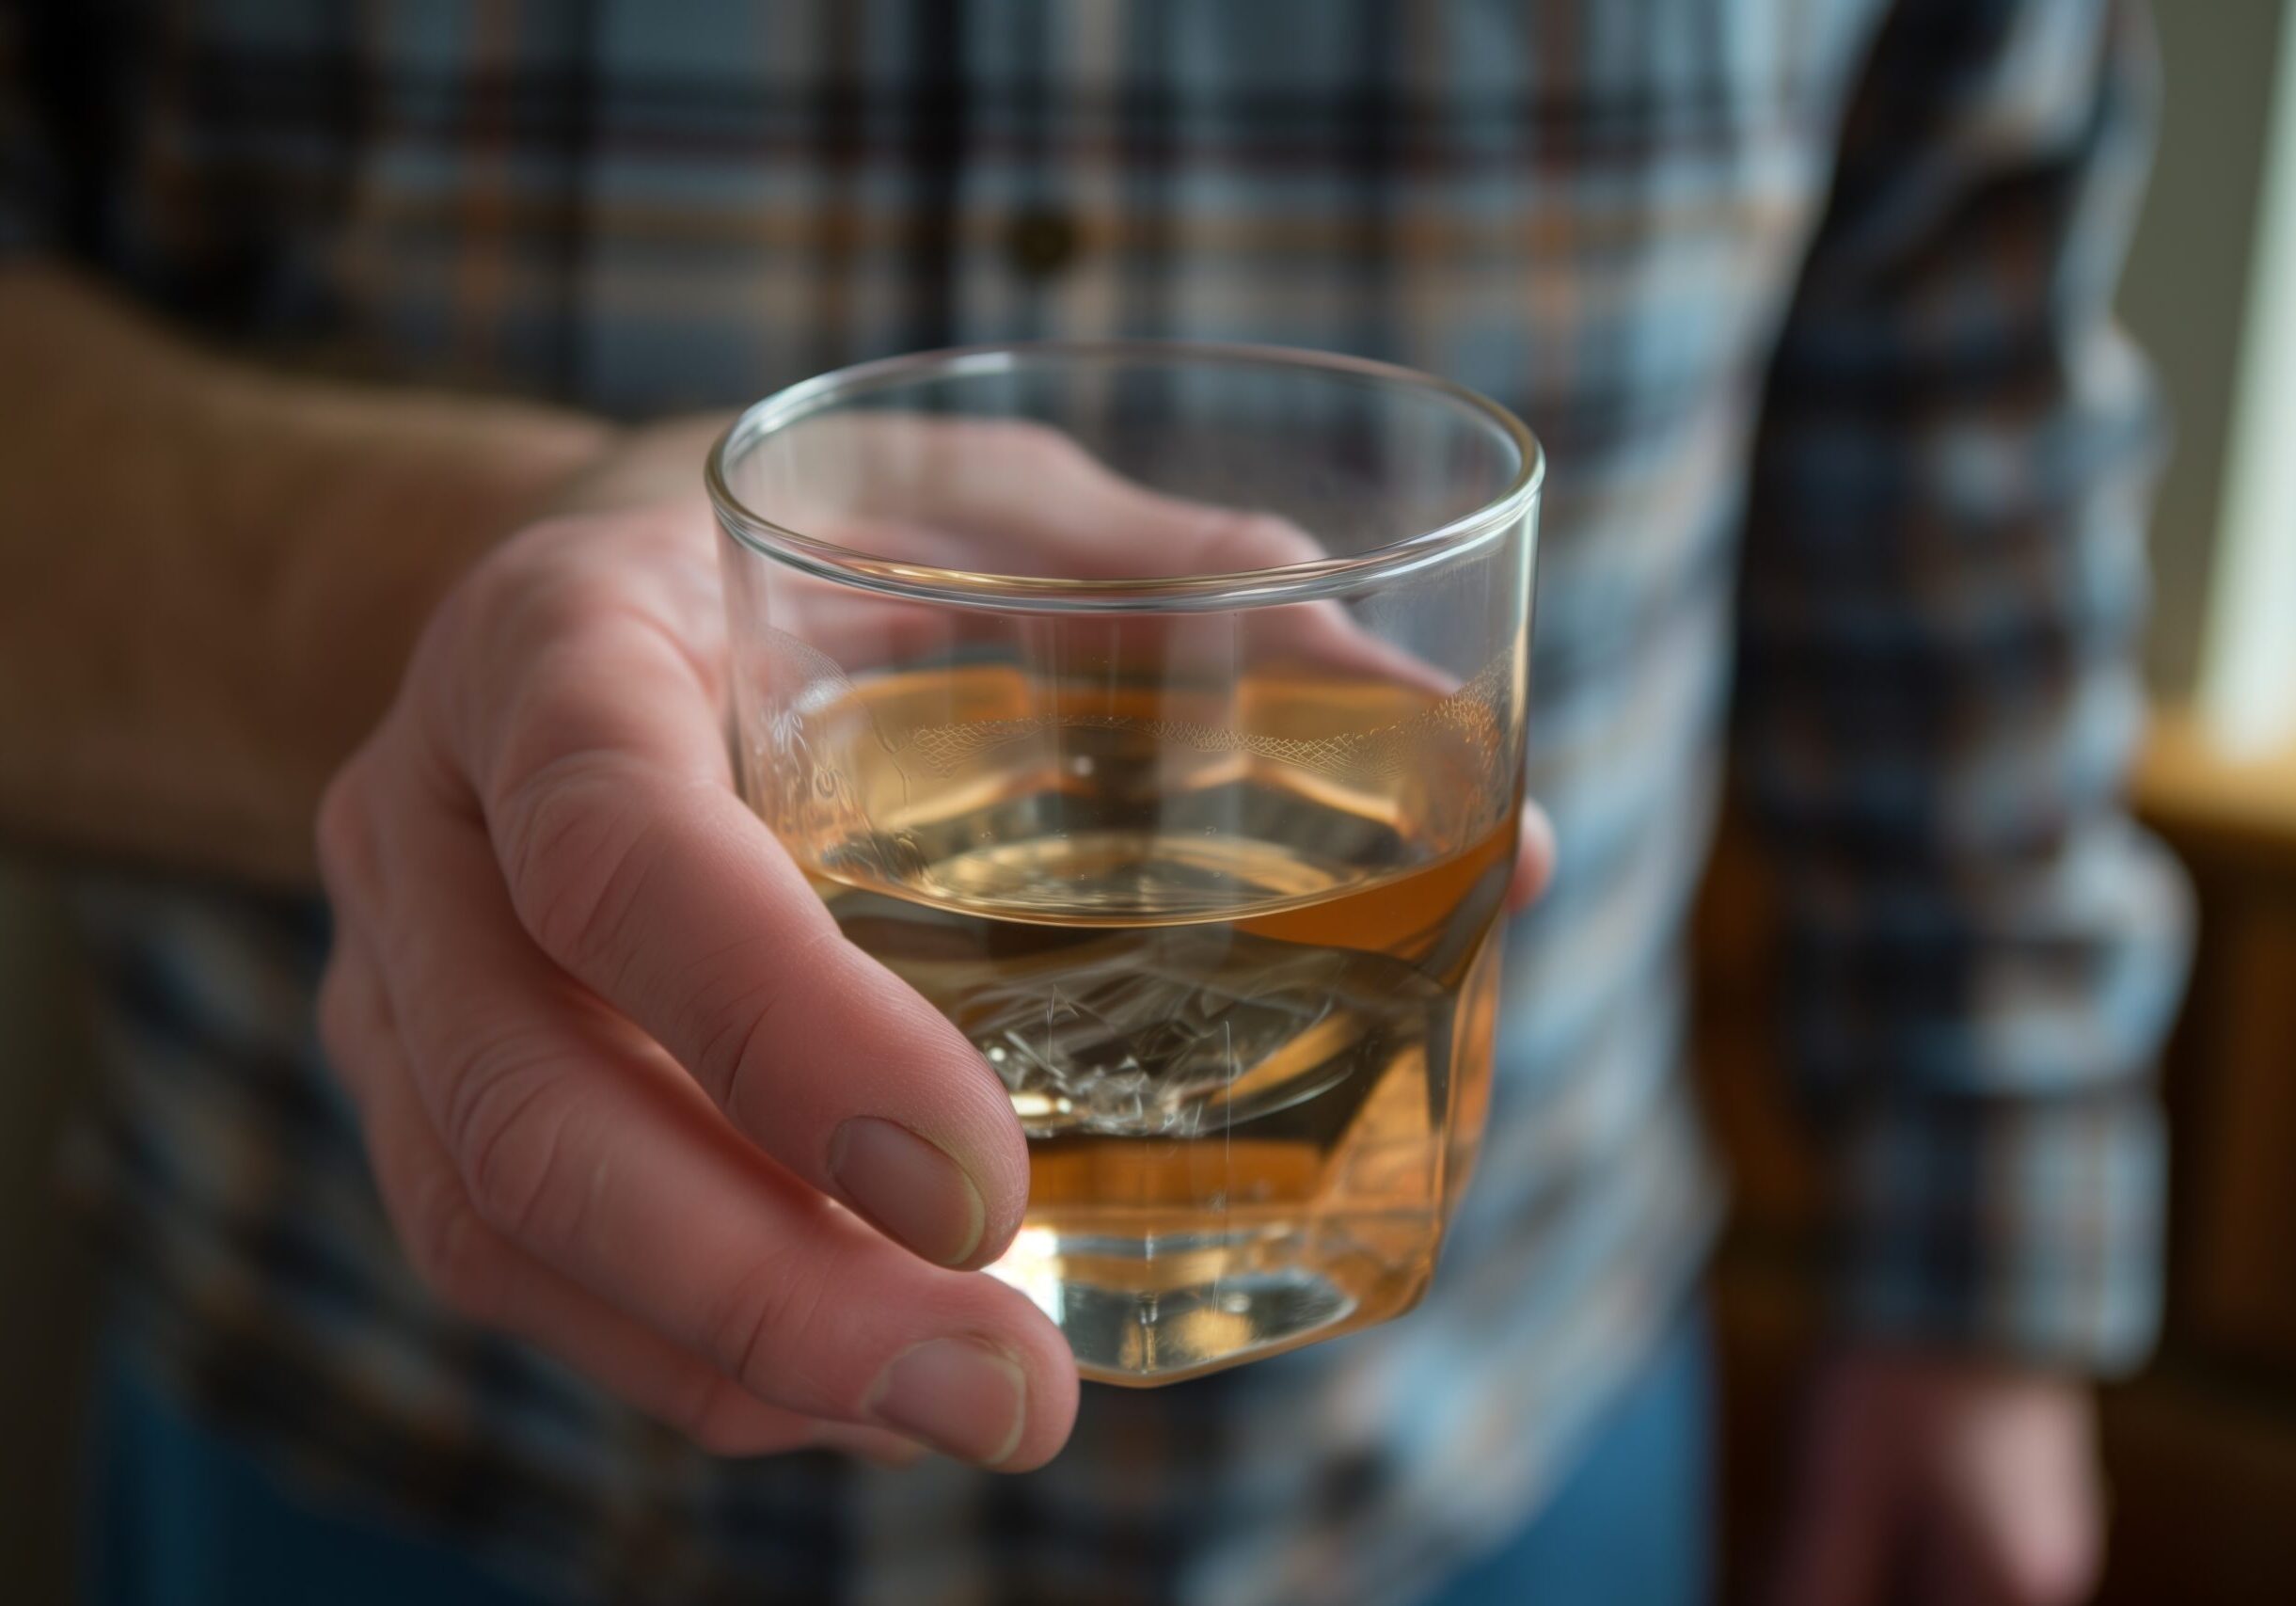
1809,300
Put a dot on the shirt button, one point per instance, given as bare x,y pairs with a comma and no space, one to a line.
1041,241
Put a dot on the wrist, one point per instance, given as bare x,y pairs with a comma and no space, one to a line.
217,571
399,496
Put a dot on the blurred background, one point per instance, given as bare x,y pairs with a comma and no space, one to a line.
2202,1445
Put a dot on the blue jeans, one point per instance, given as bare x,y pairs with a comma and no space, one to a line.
1632,1525
182,1516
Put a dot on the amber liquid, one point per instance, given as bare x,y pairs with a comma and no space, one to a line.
1242,1003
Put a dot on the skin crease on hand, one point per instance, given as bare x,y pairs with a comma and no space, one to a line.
1938,1480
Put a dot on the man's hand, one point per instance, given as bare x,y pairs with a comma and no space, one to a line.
628,1092
1943,1481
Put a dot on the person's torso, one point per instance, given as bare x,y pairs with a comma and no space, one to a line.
1593,212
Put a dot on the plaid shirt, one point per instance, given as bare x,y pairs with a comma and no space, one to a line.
1808,300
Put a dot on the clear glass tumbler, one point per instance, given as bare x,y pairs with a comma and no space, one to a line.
1156,711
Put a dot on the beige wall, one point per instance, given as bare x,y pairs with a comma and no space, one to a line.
2186,289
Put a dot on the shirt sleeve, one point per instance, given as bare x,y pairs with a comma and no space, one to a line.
1938,700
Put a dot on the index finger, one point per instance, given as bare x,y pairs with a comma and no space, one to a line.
631,863
581,1144
1018,498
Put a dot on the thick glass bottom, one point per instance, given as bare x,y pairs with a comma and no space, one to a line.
1141,1309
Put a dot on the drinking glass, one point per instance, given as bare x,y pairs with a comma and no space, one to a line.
1156,711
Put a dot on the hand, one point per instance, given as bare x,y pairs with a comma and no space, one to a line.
613,1061
1943,1481
627,1092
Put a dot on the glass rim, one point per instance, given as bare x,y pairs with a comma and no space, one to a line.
1244,588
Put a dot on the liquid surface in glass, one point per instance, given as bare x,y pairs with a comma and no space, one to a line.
1238,995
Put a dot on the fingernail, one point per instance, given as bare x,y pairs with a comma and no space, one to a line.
963,1398
908,1188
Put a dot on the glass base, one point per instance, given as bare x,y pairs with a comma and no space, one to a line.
1144,1312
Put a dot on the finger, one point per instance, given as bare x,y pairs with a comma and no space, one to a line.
1032,490
864,630
490,1281
1534,860
601,1157
636,868
1023,499
2019,1508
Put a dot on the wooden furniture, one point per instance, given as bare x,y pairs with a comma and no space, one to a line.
2201,1446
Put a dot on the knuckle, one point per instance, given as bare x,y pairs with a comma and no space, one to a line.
579,852
506,1124
725,1019
521,603
512,573
472,612
541,594
764,1328
728,1010
1029,443
1239,541
552,580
